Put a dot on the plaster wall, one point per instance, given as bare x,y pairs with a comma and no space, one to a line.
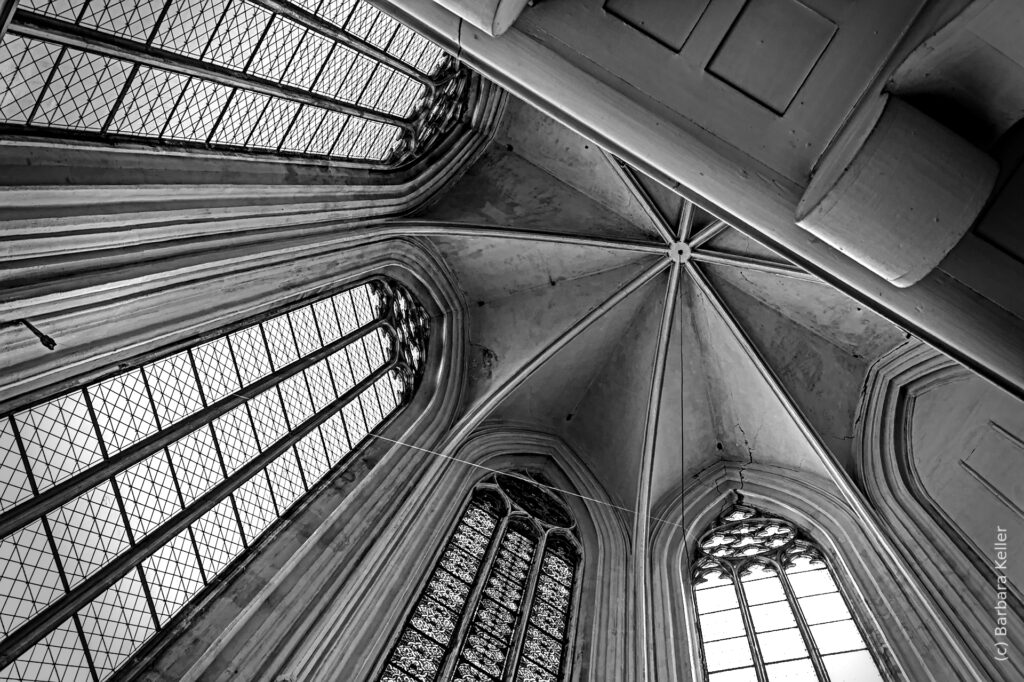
908,468
967,443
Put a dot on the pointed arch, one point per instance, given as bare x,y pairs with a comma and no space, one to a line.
961,572
896,624
221,614
600,649
129,495
339,595
500,600
768,606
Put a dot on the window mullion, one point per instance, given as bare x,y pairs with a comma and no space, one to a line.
519,636
472,601
359,403
220,116
51,30
49,79
158,25
569,643
801,621
216,440
120,99
70,488
216,28
60,610
748,626
324,27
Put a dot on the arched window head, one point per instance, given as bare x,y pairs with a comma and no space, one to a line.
499,602
334,79
123,499
769,608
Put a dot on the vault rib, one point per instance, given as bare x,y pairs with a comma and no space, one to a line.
838,475
686,217
476,414
708,233
752,263
641,520
628,177
441,228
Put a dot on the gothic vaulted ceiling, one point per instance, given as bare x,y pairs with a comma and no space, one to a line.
568,260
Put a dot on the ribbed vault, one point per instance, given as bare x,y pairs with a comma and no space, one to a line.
652,337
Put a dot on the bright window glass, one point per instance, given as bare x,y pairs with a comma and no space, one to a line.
123,499
769,609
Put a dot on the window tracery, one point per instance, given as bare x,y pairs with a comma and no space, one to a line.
769,609
498,604
333,79
125,498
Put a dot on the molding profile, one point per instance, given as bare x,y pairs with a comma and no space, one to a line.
241,622
897,625
92,215
323,611
134,238
719,177
960,582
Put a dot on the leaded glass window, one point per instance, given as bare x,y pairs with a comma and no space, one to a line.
123,499
769,608
334,79
499,602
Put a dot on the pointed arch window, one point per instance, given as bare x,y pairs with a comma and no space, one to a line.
500,601
122,500
335,79
769,608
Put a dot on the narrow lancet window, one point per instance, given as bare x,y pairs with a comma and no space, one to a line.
122,500
769,608
499,602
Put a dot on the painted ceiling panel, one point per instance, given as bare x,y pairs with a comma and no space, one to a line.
490,269
687,433
668,203
745,318
609,423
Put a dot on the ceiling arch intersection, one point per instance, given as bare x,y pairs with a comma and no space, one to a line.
648,334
